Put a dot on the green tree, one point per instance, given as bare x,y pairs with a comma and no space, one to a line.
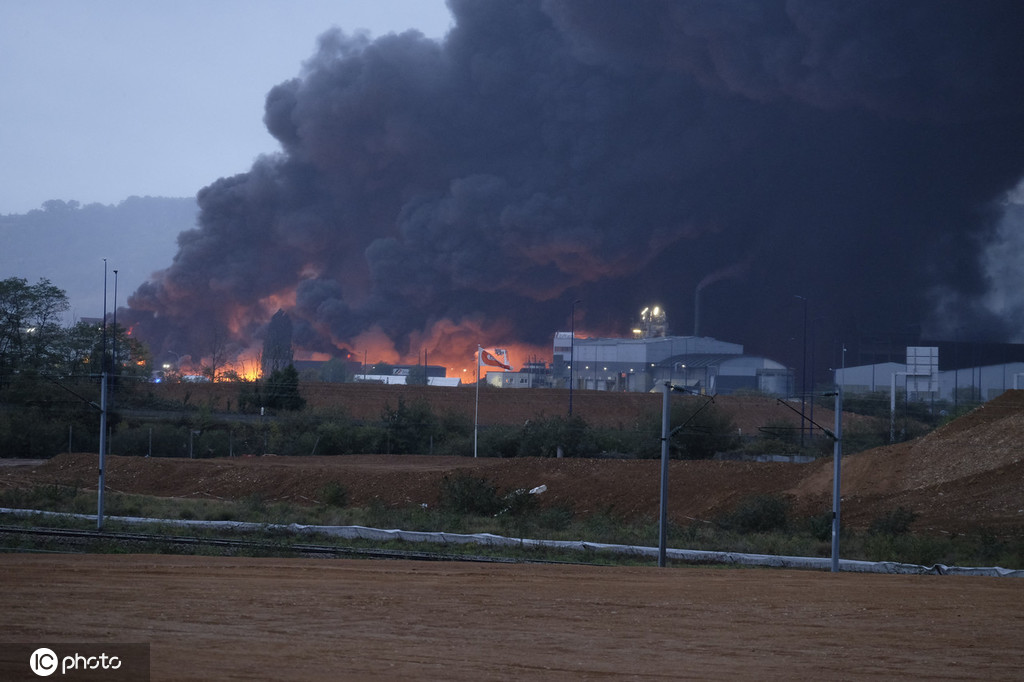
81,348
31,337
411,427
133,357
281,390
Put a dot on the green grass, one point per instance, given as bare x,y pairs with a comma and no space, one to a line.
735,533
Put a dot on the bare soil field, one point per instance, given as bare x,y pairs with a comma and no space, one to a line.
316,619
498,406
312,619
963,477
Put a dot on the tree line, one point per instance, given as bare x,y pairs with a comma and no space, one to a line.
33,340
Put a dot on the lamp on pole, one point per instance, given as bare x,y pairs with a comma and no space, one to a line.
103,407
113,362
572,349
663,497
114,338
103,364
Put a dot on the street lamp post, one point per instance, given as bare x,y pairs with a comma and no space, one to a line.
663,497
803,379
113,363
103,408
114,339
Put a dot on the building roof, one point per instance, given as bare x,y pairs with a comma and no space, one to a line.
696,360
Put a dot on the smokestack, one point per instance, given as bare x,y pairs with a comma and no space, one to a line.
696,312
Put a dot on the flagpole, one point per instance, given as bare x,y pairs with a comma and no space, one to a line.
476,416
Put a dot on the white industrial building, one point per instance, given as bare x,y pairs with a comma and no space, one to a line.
700,363
921,379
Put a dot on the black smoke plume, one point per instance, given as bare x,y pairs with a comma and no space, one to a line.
857,153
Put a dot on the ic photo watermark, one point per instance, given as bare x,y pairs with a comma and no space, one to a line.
80,662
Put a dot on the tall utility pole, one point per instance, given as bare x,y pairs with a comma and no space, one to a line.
803,379
113,363
666,435
103,405
572,350
114,339
103,359
663,497
103,448
837,455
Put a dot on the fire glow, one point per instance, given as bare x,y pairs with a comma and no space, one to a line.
446,344
449,345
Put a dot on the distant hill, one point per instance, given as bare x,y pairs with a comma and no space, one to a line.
66,243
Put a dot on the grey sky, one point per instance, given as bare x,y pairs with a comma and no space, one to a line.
106,99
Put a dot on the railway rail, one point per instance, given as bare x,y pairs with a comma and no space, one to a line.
75,540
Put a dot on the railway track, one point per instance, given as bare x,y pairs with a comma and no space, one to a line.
70,540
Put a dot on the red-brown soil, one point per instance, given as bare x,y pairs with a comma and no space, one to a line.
313,619
963,477
501,406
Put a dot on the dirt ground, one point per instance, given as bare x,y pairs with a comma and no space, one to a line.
313,619
964,477
499,406
316,619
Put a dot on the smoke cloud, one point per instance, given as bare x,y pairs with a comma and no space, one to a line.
435,195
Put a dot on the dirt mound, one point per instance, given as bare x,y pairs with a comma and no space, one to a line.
629,488
965,475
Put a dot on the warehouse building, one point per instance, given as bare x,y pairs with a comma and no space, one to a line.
700,363
922,378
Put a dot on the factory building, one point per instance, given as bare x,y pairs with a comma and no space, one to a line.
700,363
921,378
533,374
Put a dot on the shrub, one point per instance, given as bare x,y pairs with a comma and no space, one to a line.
819,526
555,518
761,514
708,430
518,503
543,437
334,494
896,522
411,428
498,441
470,495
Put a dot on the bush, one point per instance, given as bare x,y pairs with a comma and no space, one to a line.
334,494
411,428
761,514
819,526
543,437
555,518
498,441
896,522
467,494
708,430
518,503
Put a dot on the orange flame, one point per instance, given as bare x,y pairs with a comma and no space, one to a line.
451,345
446,343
